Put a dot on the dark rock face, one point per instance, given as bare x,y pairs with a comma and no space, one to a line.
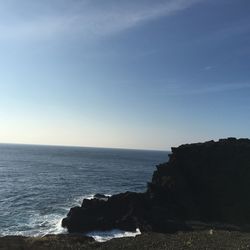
208,182
123,211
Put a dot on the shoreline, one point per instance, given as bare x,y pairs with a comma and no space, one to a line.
98,236
189,204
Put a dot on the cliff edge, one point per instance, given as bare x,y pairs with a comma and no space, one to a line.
207,182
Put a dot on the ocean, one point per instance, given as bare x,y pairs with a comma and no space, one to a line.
39,184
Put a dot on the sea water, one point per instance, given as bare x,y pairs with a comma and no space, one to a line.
39,184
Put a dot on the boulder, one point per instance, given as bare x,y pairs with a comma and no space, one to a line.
122,211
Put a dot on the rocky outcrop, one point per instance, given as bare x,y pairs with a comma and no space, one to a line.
207,182
123,211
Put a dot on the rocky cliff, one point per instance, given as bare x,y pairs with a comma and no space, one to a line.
207,182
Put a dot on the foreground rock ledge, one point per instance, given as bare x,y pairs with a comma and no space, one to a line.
208,182
150,241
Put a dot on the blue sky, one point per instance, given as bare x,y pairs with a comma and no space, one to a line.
131,74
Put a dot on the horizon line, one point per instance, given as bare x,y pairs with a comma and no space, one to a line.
79,146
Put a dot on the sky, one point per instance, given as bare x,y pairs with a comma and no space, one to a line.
124,74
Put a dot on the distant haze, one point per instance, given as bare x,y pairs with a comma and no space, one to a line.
124,74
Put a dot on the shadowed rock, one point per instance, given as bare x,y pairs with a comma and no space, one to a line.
123,211
207,182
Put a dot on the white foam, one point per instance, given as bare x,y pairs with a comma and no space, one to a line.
78,200
102,236
51,223
40,225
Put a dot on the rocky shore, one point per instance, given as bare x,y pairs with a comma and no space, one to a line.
206,182
199,199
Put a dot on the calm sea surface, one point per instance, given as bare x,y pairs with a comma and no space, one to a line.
38,184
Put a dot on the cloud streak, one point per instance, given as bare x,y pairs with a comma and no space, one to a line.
185,90
29,20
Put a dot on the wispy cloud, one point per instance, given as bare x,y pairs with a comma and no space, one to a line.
26,19
207,68
183,90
